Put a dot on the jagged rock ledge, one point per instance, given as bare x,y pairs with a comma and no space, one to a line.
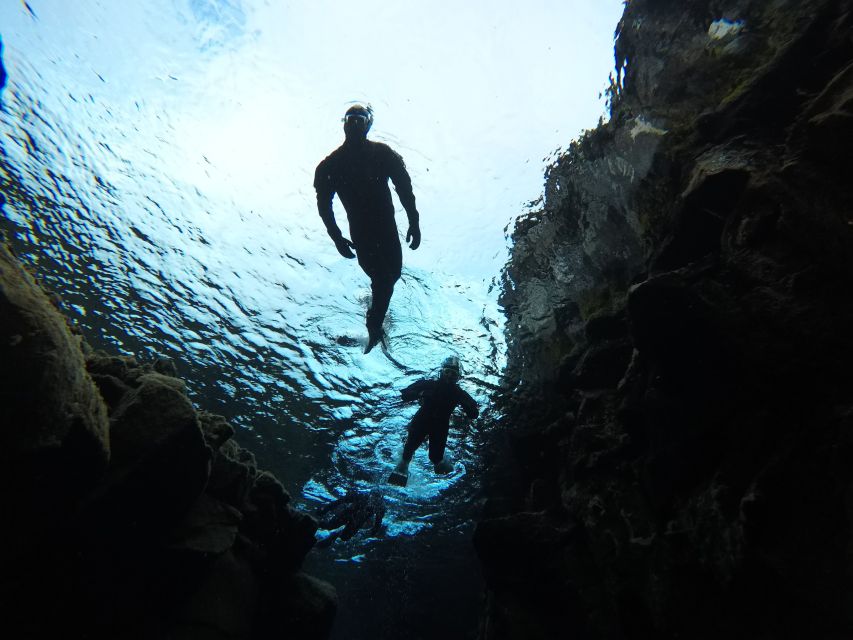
679,326
128,513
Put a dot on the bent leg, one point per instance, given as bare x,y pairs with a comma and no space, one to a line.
382,288
417,434
381,258
437,442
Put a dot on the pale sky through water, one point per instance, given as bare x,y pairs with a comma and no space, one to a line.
172,146
473,95
242,99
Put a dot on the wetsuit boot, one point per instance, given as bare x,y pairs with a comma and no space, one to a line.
443,466
374,337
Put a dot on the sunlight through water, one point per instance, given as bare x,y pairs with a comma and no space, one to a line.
157,166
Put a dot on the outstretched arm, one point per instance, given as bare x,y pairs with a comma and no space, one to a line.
325,193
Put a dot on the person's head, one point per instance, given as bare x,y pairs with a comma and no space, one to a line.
357,122
450,369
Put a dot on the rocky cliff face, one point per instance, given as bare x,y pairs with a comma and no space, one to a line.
127,512
679,312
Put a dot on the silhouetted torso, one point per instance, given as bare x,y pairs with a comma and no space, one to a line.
359,173
438,400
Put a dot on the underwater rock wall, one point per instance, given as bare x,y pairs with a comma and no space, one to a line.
127,512
680,413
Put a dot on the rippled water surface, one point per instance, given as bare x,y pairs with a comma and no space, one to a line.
157,164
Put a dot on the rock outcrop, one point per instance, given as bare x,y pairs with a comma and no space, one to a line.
681,404
128,513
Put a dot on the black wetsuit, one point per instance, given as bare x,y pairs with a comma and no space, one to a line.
2,70
358,171
352,512
438,400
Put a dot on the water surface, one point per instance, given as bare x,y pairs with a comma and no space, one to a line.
157,158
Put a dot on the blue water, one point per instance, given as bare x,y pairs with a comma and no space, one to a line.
157,159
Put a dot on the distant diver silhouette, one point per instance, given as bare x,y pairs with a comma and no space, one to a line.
2,73
438,398
358,171
352,512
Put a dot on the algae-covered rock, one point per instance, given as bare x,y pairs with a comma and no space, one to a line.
48,398
233,474
225,604
684,293
160,463
153,523
54,438
284,533
306,607
210,526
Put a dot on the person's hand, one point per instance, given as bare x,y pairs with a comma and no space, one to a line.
345,247
414,235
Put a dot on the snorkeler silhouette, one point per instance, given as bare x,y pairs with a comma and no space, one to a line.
351,512
358,171
438,399
2,73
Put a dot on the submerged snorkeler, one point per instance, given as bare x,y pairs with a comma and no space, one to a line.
344,517
358,171
438,398
2,73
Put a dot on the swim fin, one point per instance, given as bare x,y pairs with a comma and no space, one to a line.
399,479
374,340
400,475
